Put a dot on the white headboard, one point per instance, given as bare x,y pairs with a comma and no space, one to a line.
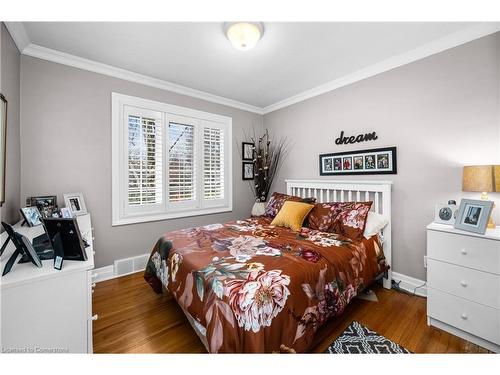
378,192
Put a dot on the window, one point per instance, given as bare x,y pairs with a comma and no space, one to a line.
168,161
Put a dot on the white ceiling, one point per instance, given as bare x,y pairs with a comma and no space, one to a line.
291,57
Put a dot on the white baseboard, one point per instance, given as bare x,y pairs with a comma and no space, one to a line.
410,284
103,273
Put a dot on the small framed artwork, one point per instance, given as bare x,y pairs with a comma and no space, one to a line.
247,171
373,161
473,215
32,216
329,164
75,203
47,205
370,161
358,162
66,213
337,164
247,150
347,163
383,161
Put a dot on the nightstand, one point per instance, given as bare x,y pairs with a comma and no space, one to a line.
463,278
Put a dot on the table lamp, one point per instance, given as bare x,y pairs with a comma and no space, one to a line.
484,179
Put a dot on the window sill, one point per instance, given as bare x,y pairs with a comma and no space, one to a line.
166,216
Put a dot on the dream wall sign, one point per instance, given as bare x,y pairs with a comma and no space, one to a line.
344,140
373,161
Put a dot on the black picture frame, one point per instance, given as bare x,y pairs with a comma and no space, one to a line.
244,147
243,176
371,165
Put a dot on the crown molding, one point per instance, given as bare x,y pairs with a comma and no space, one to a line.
431,48
16,29
18,33
48,54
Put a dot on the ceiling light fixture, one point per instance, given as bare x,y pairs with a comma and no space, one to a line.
244,35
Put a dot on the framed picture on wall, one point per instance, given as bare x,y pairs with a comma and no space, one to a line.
247,150
247,171
3,146
373,161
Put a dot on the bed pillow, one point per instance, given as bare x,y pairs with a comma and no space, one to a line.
292,215
323,215
374,224
278,199
351,220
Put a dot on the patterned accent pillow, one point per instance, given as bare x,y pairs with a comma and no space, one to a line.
351,220
323,215
277,201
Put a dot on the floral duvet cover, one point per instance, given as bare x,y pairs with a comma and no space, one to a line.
248,286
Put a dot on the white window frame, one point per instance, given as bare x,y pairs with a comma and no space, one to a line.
121,215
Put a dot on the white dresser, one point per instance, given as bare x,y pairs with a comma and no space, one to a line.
45,310
463,277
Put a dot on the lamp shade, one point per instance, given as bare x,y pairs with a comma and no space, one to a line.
481,178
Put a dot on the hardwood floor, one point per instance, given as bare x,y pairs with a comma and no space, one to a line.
134,319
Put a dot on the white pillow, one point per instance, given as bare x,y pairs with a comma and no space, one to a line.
374,224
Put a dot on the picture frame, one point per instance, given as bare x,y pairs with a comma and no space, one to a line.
66,213
473,215
3,146
46,205
32,216
247,171
75,203
247,150
370,161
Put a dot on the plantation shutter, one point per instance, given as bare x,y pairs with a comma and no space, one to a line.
181,163
144,160
213,163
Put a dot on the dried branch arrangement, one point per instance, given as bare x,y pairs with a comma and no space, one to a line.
268,156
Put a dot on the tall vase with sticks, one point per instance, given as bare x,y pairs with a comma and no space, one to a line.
268,156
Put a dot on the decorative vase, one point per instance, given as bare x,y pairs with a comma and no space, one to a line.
259,208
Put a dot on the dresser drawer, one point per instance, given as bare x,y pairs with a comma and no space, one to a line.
477,286
473,252
468,316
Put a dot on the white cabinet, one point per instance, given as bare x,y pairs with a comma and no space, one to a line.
46,310
463,277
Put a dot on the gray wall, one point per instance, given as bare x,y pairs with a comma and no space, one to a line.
9,87
441,112
66,147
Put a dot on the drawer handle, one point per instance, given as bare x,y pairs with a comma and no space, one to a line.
464,252
464,316
94,317
463,283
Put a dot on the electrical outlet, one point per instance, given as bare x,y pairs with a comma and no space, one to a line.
425,261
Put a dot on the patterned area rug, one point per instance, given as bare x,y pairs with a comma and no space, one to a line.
357,339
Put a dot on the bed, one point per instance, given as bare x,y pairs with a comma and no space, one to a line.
249,287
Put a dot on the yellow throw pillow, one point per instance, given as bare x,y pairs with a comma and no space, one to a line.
292,215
